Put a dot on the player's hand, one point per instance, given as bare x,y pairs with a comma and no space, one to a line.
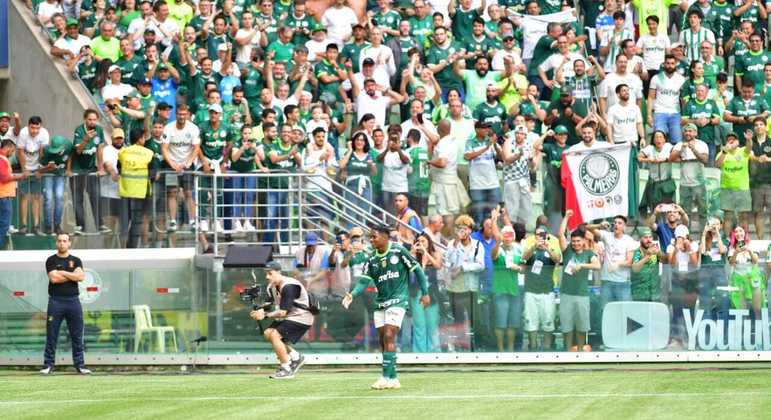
347,300
257,315
425,301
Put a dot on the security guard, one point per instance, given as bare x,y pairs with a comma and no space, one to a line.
134,184
64,273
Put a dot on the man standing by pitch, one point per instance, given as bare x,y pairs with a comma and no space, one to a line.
64,273
389,267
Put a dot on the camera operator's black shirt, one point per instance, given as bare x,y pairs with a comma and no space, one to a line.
70,263
289,294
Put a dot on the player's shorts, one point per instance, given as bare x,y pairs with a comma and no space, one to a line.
391,316
291,332
574,313
539,312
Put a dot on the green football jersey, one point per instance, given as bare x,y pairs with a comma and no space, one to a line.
214,141
352,51
421,29
750,67
59,159
462,24
574,282
246,162
695,109
325,67
419,184
494,115
253,84
85,161
298,24
389,19
740,108
447,77
390,271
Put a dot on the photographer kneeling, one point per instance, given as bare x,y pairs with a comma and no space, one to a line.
291,320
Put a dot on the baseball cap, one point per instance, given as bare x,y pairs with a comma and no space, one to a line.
216,108
676,45
4,115
133,94
690,126
59,144
72,22
144,82
163,105
118,132
368,62
113,68
507,230
644,231
311,238
273,266
520,129
681,231
565,92
162,66
560,129
319,28
222,47
481,124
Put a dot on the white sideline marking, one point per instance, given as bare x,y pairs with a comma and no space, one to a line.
396,397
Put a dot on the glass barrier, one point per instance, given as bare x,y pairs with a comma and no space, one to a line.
163,311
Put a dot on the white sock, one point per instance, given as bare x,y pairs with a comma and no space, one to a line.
285,366
294,355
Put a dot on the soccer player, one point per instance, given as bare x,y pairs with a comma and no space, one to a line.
389,267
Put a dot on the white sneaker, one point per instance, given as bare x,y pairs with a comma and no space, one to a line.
170,227
83,371
204,226
12,230
249,227
380,383
393,384
236,226
47,370
218,226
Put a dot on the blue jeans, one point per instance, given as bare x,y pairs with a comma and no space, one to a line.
59,309
482,202
615,292
425,326
6,212
669,124
714,302
361,201
278,216
53,201
244,200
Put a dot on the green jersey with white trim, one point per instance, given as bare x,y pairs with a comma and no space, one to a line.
390,271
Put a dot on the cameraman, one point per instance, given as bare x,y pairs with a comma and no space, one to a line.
291,320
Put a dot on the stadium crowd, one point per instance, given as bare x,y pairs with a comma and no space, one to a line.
447,115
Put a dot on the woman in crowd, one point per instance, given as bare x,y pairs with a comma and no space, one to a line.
357,167
425,320
684,259
746,275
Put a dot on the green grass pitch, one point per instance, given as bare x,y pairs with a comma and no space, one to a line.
739,391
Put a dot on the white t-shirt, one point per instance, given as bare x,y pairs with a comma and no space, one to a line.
461,131
31,147
653,50
658,171
108,187
615,253
395,173
483,174
555,60
339,23
667,92
691,169
118,91
376,106
72,45
313,164
383,72
47,9
409,125
316,49
608,87
624,119
180,141
498,63
244,52
446,149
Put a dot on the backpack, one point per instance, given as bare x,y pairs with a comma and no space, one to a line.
314,306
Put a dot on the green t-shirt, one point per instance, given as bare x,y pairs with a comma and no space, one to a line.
750,67
59,159
419,184
447,77
462,24
87,74
390,272
735,174
760,173
738,107
542,51
421,29
198,81
132,71
494,115
712,69
575,283
389,19
246,162
352,51
550,6
253,84
304,22
155,146
106,48
214,141
703,109
505,279
483,45
285,165
649,273
713,255
85,161
539,270
476,86
377,179
688,89
283,51
325,67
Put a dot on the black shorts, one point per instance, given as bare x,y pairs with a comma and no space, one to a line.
291,332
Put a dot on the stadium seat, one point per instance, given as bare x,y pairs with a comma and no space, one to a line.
144,324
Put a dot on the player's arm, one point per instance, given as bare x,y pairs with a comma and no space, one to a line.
77,275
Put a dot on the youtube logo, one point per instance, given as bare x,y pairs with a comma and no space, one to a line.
635,326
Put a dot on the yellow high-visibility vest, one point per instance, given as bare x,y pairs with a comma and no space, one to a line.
134,174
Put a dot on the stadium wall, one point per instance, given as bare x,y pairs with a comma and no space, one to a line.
37,84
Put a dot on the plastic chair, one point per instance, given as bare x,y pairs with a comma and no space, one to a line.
143,323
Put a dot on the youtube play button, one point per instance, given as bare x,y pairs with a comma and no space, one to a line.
635,326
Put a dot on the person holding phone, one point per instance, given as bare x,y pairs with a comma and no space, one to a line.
746,276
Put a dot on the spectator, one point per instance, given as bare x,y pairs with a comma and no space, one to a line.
622,75
693,36
684,259
285,157
53,164
465,261
425,128
434,229
746,276
136,163
482,151
409,220
395,166
216,138
425,320
357,166
418,182
507,302
319,159
578,262
760,177
243,154
441,58
86,165
660,187
339,20
610,43
312,263
339,263
705,114
518,161
69,45
106,45
115,90
29,148
645,279
385,66
750,66
734,164
8,132
692,154
369,101
7,188
615,274
653,46
713,249
113,210
625,123
664,95
539,259
46,10
742,110
543,49
180,145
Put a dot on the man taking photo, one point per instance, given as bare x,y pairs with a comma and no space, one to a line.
291,320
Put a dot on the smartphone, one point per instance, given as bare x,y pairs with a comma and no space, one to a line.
420,118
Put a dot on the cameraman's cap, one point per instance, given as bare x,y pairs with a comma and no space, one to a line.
273,266
681,232
690,126
560,129
311,239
